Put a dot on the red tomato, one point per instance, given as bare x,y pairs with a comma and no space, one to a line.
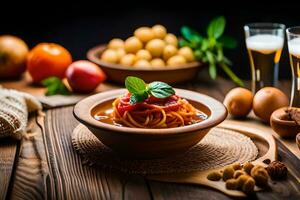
48,59
84,76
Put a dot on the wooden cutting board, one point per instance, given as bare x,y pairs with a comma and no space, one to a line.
201,176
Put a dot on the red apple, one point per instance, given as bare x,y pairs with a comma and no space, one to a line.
13,53
84,76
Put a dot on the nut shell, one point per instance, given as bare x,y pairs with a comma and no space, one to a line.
277,170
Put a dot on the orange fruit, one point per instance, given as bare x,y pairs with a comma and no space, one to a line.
48,59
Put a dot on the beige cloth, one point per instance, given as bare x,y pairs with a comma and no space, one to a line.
14,109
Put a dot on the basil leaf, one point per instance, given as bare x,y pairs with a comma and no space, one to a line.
191,35
160,89
135,85
228,42
216,27
212,71
55,86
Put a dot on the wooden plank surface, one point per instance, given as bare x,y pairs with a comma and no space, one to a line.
32,169
59,173
8,154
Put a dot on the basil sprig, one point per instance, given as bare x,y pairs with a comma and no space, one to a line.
209,49
140,90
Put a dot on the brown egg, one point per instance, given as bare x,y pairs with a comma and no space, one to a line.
267,100
238,102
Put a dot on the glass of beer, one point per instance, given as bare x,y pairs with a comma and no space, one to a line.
264,43
293,37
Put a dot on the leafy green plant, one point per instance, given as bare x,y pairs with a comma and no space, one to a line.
209,49
54,86
140,90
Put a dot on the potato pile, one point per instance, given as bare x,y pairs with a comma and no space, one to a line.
148,48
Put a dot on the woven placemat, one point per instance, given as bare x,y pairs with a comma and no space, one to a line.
220,147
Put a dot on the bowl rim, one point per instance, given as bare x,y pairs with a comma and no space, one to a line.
92,56
82,112
275,118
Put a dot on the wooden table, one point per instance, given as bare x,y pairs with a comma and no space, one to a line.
47,167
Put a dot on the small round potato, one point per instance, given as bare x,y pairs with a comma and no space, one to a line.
143,55
110,56
128,60
120,53
157,63
132,45
116,43
144,34
156,47
169,51
159,31
171,39
142,63
176,61
187,53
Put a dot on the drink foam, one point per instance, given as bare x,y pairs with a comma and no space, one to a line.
294,46
264,42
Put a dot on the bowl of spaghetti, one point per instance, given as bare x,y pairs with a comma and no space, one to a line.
158,123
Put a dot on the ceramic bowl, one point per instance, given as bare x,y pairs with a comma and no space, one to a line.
146,143
118,73
284,128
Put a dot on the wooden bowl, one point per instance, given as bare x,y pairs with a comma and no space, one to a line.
298,140
149,143
118,73
284,128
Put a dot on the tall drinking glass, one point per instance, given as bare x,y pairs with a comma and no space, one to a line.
264,43
293,37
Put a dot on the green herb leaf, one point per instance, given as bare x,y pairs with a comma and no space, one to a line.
216,27
228,42
160,89
135,85
134,98
191,35
55,86
212,69
232,75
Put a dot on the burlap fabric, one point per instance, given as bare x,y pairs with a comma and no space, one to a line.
14,109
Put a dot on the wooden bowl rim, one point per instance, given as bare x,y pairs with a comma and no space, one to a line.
82,112
93,52
279,112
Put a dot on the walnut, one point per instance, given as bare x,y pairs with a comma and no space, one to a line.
294,114
277,170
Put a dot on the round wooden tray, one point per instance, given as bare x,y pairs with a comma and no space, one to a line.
118,73
267,151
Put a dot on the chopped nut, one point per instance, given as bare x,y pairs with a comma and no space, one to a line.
277,170
260,176
294,114
248,186
231,184
228,173
214,176
247,167
238,173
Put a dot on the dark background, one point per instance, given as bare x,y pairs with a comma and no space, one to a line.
80,26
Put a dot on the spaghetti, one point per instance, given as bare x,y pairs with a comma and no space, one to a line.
169,112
